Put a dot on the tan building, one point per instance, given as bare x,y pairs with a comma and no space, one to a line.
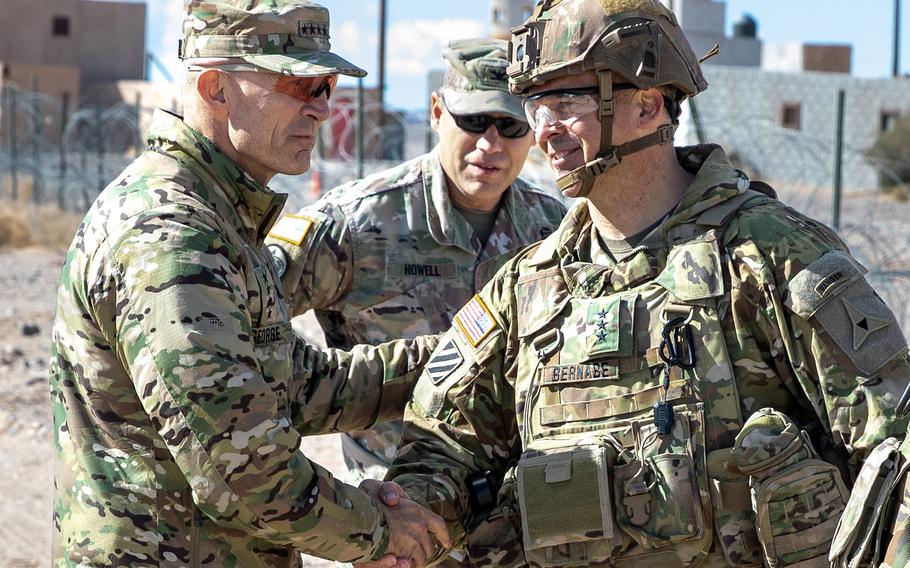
78,52
104,40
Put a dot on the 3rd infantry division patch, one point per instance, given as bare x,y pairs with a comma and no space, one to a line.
444,361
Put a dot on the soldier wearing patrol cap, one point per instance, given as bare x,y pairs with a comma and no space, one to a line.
179,390
398,253
687,372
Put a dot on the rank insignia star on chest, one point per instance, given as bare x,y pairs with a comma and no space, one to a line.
864,324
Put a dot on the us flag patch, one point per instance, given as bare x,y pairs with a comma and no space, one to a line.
444,361
475,321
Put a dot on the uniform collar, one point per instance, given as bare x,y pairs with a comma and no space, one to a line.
449,227
233,193
716,181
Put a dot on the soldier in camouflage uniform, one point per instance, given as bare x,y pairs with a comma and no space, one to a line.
179,391
687,372
398,253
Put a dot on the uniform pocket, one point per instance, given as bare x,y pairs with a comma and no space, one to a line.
566,509
667,510
412,313
658,497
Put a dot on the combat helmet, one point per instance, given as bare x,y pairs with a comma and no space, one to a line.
628,41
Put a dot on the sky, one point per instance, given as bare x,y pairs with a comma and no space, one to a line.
418,29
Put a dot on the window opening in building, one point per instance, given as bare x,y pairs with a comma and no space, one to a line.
790,116
61,26
497,15
888,120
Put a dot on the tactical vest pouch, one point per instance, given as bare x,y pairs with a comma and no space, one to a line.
566,510
734,521
797,498
670,511
865,517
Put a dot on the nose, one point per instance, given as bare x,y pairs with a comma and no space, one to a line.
317,108
546,130
490,141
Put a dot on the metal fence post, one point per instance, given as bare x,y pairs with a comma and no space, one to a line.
838,159
37,128
99,140
13,146
64,119
360,128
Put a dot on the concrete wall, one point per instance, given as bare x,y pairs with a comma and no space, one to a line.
742,110
106,40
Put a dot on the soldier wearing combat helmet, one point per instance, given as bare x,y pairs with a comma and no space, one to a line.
179,390
687,372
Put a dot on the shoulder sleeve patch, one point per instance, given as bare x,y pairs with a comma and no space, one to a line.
446,367
475,321
833,291
292,229
820,281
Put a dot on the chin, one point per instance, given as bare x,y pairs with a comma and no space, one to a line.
572,191
296,167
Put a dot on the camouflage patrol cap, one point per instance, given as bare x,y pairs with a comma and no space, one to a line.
476,80
290,37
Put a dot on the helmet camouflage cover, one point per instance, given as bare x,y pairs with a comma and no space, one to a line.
637,41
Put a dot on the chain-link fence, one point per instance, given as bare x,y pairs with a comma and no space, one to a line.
48,154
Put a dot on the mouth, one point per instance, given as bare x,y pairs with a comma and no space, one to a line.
304,139
562,159
483,169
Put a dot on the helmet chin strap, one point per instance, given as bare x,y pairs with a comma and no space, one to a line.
610,156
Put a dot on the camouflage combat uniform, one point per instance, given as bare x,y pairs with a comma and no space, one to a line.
179,390
549,377
389,256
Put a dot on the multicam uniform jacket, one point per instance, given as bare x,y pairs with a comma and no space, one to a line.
180,392
553,379
388,256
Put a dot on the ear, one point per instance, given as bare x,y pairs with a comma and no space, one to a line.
211,85
435,110
651,105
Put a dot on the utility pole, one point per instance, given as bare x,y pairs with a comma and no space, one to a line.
381,86
896,69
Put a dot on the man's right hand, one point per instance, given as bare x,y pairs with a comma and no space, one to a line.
413,529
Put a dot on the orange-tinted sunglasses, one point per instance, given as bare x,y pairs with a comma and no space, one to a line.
307,89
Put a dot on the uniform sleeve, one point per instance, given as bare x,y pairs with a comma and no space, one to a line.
346,391
317,249
829,334
461,419
184,334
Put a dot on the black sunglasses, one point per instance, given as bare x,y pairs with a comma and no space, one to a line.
479,123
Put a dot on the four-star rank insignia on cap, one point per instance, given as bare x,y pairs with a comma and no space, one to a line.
445,360
475,321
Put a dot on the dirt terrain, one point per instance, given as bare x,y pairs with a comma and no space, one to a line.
28,281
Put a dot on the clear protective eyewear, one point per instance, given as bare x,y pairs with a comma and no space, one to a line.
564,105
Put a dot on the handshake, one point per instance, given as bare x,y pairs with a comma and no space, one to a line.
415,533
